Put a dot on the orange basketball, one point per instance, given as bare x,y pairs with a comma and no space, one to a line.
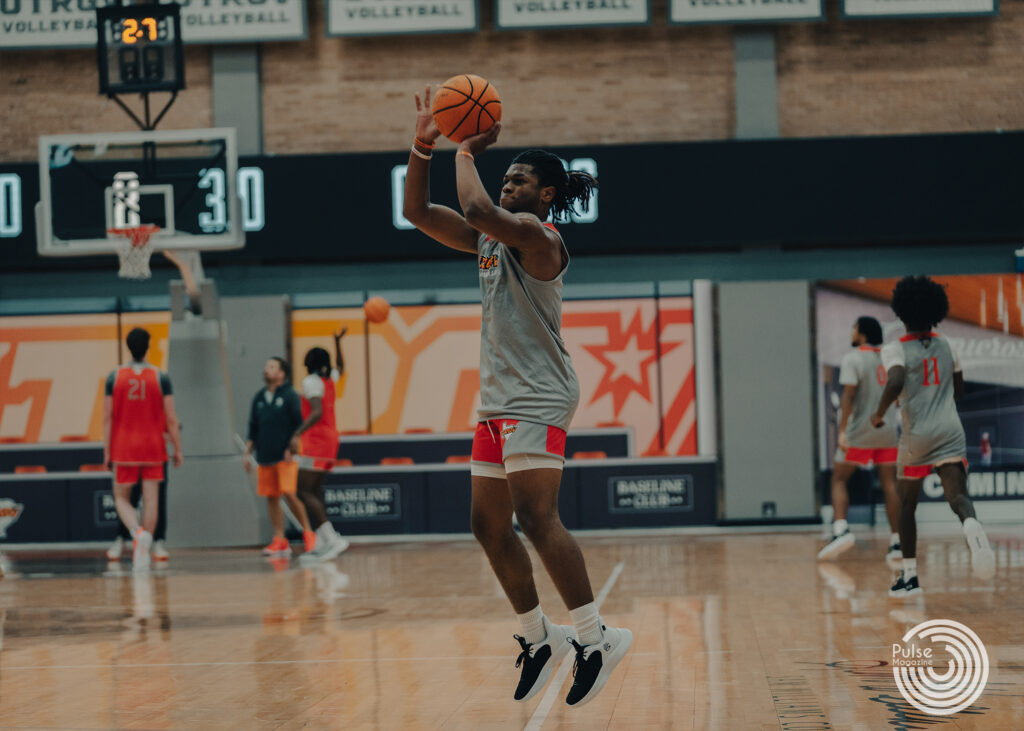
464,106
376,309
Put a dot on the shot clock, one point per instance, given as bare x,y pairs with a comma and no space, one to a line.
139,48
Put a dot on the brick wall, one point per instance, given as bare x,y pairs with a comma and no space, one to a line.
576,86
557,87
56,92
904,77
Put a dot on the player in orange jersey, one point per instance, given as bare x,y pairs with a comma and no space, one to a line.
138,411
319,436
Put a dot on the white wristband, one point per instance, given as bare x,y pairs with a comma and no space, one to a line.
419,154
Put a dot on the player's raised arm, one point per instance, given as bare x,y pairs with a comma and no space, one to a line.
438,222
516,229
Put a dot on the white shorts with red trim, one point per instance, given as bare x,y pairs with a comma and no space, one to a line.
501,446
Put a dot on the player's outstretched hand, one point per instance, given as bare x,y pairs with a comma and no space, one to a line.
476,144
844,443
340,333
178,460
877,421
426,130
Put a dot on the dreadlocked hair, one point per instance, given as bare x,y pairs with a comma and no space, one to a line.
920,302
572,187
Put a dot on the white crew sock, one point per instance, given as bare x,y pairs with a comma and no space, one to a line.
894,539
909,568
587,623
840,527
532,623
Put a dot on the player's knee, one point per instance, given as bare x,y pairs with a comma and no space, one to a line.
486,528
535,522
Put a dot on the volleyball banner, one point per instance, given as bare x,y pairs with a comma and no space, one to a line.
392,17
685,12
540,14
917,8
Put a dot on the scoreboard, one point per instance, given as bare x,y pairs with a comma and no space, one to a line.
139,49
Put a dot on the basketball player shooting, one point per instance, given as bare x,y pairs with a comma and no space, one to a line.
925,374
528,393
138,410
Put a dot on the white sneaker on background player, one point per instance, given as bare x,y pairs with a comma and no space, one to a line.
160,551
328,545
143,543
983,559
116,549
842,541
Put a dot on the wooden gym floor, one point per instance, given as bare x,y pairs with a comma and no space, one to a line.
737,631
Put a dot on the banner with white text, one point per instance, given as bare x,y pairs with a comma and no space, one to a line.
394,17
917,8
517,14
743,11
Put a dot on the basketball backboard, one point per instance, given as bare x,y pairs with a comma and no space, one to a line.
184,181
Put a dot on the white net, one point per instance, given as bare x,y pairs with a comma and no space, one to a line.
134,247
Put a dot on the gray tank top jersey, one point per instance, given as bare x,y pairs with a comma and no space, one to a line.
525,369
931,426
863,368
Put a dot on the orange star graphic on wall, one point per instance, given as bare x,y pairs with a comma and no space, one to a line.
627,358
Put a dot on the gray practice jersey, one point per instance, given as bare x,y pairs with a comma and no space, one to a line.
932,431
525,370
862,368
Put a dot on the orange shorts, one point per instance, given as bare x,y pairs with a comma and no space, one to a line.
275,480
129,474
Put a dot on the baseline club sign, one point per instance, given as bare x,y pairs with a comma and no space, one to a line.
27,24
540,14
917,8
395,17
686,12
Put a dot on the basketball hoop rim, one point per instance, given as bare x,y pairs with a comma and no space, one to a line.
136,235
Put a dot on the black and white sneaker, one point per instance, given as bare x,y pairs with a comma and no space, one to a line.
904,589
594,663
839,544
895,553
540,659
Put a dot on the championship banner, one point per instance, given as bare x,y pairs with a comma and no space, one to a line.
917,8
743,11
26,24
393,17
540,14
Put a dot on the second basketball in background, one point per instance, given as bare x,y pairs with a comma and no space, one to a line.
376,309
